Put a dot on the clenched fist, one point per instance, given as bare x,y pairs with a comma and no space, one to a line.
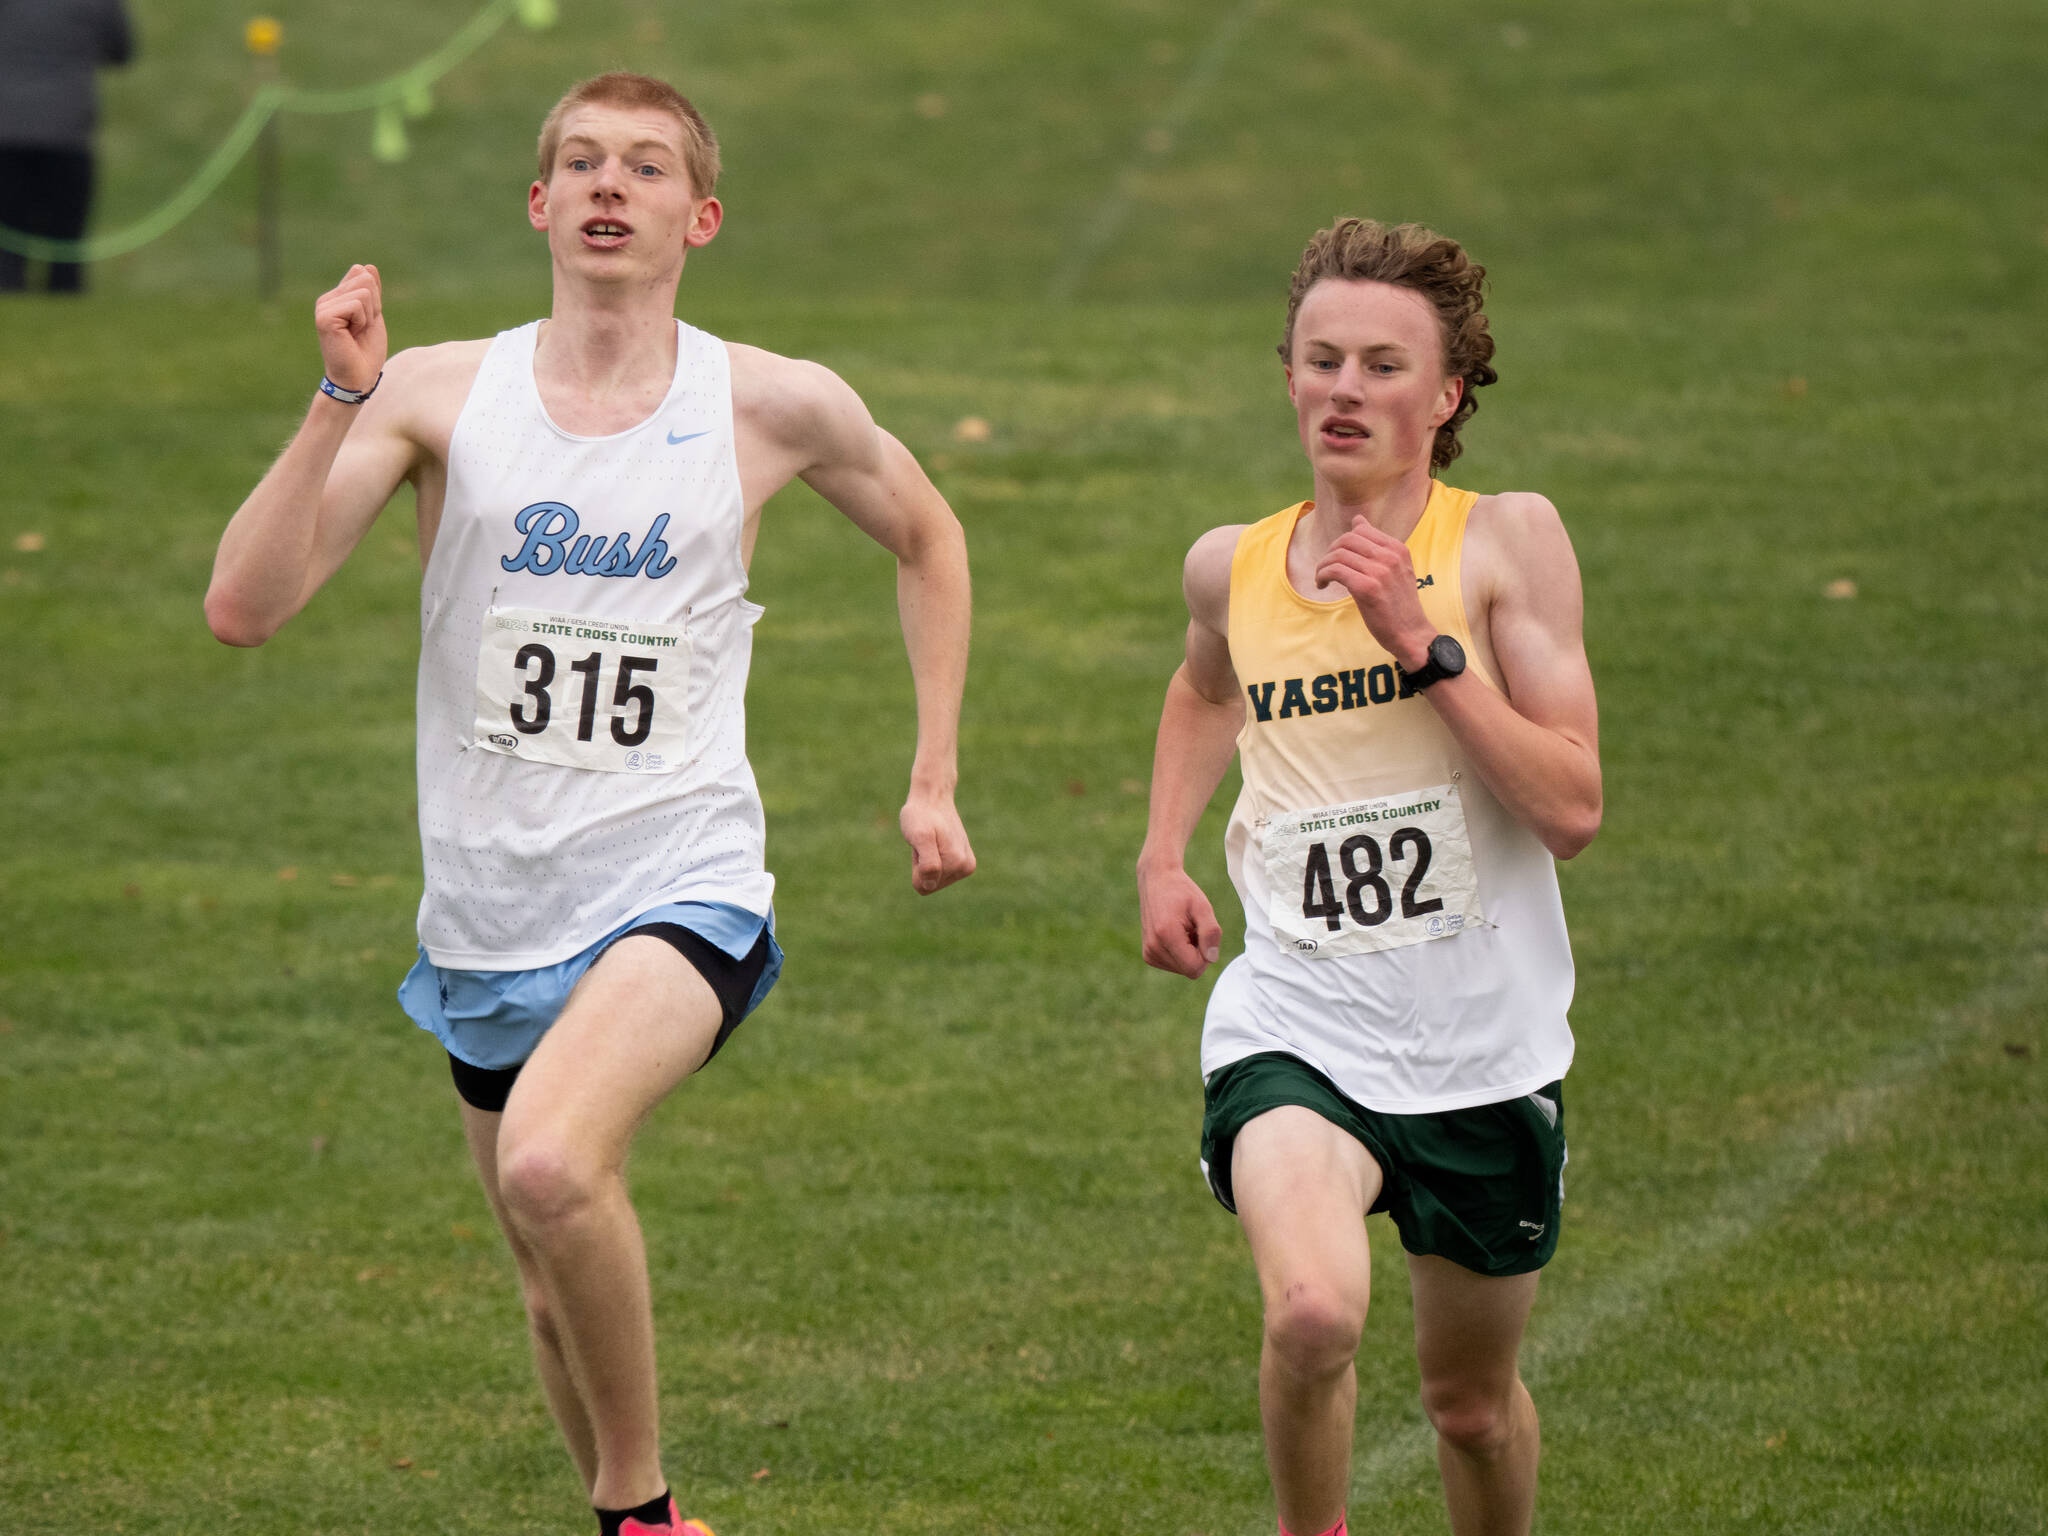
349,318
1177,926
1375,568
940,854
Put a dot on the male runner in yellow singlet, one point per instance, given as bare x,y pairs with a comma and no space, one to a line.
1400,668
597,918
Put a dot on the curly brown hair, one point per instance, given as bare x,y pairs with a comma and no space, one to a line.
622,89
1435,266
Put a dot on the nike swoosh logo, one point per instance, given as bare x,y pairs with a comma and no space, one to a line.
688,435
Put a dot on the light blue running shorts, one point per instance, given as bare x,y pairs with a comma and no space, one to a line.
494,1019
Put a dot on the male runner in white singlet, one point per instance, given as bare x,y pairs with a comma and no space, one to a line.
1399,667
597,916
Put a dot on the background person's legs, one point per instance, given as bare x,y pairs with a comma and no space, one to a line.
45,192
16,212
67,188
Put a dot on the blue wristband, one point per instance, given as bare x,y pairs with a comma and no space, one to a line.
348,396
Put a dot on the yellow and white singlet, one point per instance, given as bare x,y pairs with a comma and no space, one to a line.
1403,932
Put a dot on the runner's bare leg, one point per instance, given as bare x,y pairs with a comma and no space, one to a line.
1468,1334
641,1020
1303,1187
480,1126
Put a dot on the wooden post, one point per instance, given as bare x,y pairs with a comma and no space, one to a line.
264,35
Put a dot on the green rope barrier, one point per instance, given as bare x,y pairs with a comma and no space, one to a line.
409,93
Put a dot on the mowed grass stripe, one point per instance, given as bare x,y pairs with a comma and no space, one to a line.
1154,145
1699,1248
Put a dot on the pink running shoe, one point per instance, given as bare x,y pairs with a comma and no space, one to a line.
676,1526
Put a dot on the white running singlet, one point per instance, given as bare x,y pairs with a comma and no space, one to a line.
584,644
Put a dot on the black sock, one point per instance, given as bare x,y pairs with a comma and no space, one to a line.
653,1512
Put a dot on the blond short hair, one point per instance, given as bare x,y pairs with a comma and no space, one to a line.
621,89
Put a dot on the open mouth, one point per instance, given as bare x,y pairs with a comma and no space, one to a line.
1344,432
606,234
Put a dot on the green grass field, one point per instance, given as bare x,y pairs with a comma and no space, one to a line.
929,1246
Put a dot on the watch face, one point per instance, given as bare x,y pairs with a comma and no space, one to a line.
1448,655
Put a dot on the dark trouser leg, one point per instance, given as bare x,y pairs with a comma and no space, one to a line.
70,199
14,214
44,192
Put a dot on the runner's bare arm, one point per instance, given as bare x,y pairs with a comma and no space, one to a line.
879,486
1538,748
1198,726
327,487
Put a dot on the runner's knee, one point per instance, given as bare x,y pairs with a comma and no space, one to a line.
1314,1329
1476,1422
545,1183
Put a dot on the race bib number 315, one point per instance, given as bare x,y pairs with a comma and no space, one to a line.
582,692
1375,874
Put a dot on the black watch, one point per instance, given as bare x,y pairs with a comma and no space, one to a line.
1446,659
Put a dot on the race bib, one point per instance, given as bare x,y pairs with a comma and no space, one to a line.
582,692
1375,874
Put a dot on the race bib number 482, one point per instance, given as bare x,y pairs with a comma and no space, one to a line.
582,692
1375,874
